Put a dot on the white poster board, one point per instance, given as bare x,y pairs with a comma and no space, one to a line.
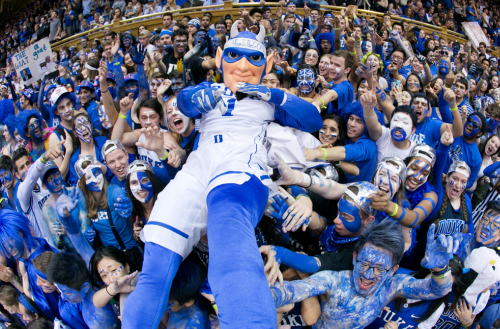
475,34
34,62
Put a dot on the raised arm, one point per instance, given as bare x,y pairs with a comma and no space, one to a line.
368,101
127,138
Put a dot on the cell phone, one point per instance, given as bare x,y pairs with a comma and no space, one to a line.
479,71
52,75
396,85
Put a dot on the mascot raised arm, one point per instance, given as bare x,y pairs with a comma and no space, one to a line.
221,191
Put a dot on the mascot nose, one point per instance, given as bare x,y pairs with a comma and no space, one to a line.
244,64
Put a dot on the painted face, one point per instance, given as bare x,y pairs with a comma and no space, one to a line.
35,128
387,49
180,44
103,118
374,62
387,179
199,39
286,54
456,185
127,42
13,247
110,270
420,107
329,133
94,178
417,173
270,81
401,126
176,120
413,84
45,285
177,85
444,68
141,186
149,118
488,232
303,40
306,80
366,47
492,125
132,87
371,268
350,215
6,178
472,126
83,129
154,84
54,182
72,295
65,109
215,42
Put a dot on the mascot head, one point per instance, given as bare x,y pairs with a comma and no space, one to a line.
243,58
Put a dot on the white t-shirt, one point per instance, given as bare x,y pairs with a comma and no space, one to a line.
385,147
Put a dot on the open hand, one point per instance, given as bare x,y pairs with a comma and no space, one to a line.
209,99
438,252
67,202
138,58
123,284
288,175
153,140
90,234
123,206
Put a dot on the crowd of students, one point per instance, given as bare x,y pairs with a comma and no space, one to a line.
375,145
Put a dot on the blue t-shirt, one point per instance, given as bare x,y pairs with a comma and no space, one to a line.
407,318
468,152
364,154
345,93
123,225
470,18
428,132
117,182
67,20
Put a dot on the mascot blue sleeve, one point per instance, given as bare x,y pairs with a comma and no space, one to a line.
297,113
184,102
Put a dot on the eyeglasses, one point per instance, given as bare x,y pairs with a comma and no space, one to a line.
475,124
494,225
81,124
396,58
312,56
365,266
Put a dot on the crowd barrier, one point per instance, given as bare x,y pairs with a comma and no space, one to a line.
219,11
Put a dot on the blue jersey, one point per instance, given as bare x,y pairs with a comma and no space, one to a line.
428,132
406,319
364,154
468,152
345,93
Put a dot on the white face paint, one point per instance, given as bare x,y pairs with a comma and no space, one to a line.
387,179
401,126
94,178
338,70
417,174
148,114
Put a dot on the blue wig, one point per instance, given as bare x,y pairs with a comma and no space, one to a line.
325,36
71,97
23,122
357,109
11,123
6,109
15,230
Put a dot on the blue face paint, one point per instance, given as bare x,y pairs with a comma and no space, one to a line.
306,79
94,179
141,186
286,54
5,177
199,38
35,129
352,210
371,267
492,125
488,230
72,295
215,43
473,124
177,85
83,129
54,182
127,42
14,247
132,87
444,67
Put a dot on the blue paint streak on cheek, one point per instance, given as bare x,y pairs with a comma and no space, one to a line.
390,183
347,207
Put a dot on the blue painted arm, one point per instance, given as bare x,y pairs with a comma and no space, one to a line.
119,79
444,108
271,41
294,39
12,91
299,262
441,156
41,93
296,291
378,50
425,289
295,112
419,46
492,170
184,102
45,112
143,79
470,224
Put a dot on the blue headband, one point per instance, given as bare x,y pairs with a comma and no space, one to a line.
27,305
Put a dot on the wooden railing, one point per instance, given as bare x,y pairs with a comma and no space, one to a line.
219,11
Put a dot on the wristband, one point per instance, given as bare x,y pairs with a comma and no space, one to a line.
442,271
353,53
109,293
105,91
42,159
298,196
395,211
324,153
312,40
214,305
122,116
454,109
268,35
165,157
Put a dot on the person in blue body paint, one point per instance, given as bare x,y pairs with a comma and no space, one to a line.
356,297
70,313
19,244
465,147
70,275
230,176
106,205
29,126
358,148
8,180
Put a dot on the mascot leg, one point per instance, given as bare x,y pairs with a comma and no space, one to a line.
158,272
236,269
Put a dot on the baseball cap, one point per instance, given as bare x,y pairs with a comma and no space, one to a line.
145,34
110,146
48,167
